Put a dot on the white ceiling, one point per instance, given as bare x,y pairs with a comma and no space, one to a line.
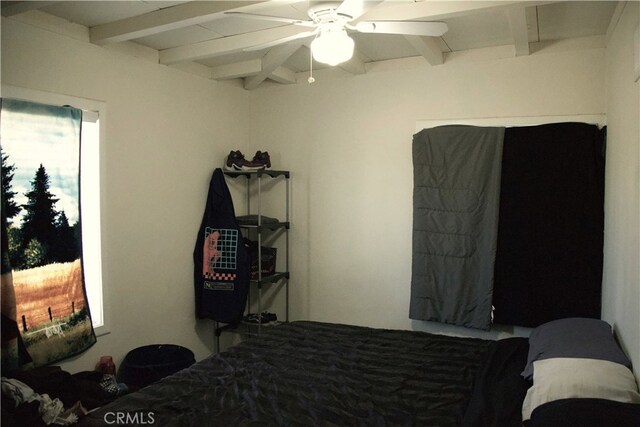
200,31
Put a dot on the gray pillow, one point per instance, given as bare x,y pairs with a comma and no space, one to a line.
573,337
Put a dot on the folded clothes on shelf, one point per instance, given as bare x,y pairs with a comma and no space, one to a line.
268,259
253,220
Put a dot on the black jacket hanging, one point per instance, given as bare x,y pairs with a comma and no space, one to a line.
220,258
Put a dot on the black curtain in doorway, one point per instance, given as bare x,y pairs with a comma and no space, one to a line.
550,231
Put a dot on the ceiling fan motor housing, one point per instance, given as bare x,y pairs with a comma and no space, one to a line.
326,13
330,23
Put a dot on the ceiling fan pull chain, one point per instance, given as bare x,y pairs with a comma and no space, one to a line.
311,79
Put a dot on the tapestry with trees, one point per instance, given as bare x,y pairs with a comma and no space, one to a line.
45,313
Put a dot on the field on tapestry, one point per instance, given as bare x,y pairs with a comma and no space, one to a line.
40,182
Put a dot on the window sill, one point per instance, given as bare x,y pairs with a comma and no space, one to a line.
101,330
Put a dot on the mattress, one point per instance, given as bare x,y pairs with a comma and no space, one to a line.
310,373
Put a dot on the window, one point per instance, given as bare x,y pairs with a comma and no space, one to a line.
90,190
90,207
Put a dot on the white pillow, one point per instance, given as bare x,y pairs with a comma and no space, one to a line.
564,378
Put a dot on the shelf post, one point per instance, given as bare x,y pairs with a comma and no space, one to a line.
286,232
259,229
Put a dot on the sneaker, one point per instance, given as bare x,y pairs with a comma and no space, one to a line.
255,318
269,317
237,162
262,158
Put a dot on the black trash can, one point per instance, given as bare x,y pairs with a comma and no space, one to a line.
145,365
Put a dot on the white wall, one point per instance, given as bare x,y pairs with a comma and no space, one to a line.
348,144
621,299
347,141
166,131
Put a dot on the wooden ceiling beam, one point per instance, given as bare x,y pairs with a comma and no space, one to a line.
236,70
355,65
532,24
170,18
283,75
11,8
428,48
434,10
225,45
519,30
270,63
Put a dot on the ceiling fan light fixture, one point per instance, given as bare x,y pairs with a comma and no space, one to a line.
332,47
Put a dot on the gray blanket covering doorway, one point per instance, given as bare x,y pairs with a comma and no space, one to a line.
455,221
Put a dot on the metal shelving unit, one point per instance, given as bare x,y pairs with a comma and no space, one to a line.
255,224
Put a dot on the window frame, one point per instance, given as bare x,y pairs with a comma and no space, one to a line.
93,107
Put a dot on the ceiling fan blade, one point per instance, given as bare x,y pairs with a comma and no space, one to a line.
433,29
282,40
292,21
356,8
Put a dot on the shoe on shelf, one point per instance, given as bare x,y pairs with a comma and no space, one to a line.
237,162
255,319
262,158
269,317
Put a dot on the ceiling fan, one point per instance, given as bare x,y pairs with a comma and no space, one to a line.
330,22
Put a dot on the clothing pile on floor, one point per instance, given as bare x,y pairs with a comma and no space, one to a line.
50,396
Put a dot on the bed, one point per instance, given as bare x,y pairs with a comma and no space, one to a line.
311,373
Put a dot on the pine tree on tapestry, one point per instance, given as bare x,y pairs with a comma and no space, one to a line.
9,206
67,247
39,224
14,354
10,209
